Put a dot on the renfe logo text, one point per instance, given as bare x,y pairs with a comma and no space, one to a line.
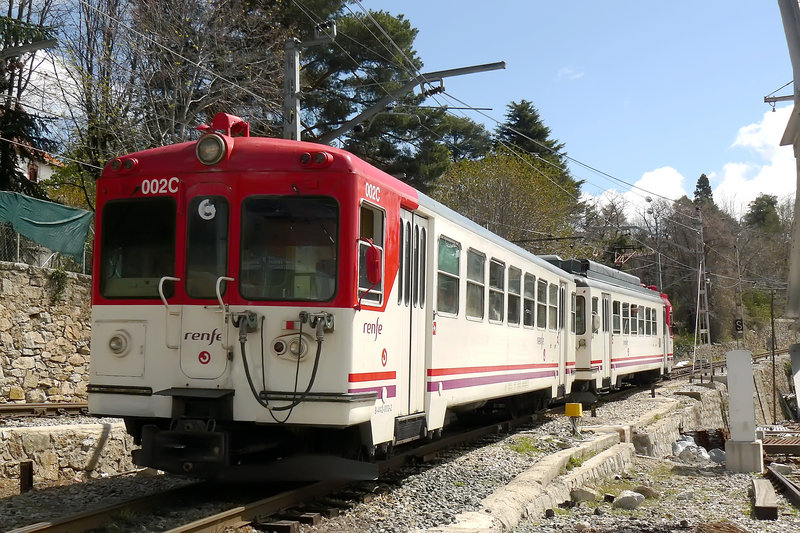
373,329
204,336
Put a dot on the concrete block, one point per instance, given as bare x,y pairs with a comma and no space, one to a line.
744,456
740,392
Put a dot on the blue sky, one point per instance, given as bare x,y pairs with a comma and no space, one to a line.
653,93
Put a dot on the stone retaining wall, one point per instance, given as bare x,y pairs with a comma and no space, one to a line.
45,327
66,452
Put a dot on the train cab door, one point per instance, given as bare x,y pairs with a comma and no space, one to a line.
412,301
204,342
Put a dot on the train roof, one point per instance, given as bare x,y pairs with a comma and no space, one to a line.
453,216
589,273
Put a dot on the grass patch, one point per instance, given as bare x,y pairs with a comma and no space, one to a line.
525,446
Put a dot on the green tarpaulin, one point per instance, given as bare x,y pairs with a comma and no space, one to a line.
57,227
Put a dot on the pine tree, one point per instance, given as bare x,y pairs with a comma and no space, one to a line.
702,191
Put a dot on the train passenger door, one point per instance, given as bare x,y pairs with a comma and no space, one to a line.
563,332
204,342
412,301
606,335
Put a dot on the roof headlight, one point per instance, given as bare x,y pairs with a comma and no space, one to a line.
210,149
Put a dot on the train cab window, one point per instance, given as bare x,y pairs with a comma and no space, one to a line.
529,301
514,290
206,245
580,314
138,247
447,278
476,283
497,287
595,304
541,304
552,307
401,266
616,324
289,248
626,318
407,263
371,224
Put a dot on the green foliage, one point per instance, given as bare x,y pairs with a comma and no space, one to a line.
525,446
512,196
762,214
57,281
574,462
757,304
702,191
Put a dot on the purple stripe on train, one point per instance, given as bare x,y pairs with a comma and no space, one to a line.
433,386
391,390
636,363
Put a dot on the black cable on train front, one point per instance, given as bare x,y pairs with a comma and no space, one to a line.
295,402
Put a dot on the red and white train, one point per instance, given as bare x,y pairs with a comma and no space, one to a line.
262,303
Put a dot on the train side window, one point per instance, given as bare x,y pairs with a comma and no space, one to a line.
647,321
541,304
447,276
634,313
595,304
654,319
497,285
514,286
616,318
552,306
529,301
476,283
626,318
580,314
371,226
640,316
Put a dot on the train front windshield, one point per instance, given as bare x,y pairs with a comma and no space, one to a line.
289,248
138,247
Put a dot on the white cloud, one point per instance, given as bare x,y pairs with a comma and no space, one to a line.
569,73
662,182
771,171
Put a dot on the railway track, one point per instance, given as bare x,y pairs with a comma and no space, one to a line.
268,503
17,410
707,368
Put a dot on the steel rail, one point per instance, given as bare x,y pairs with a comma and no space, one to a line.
42,409
101,516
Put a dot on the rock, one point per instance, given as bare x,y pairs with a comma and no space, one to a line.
16,393
549,513
628,499
717,455
35,396
608,498
647,492
582,526
583,494
599,511
780,468
685,495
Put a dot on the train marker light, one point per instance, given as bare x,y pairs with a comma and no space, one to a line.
116,164
210,149
119,343
130,163
305,158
